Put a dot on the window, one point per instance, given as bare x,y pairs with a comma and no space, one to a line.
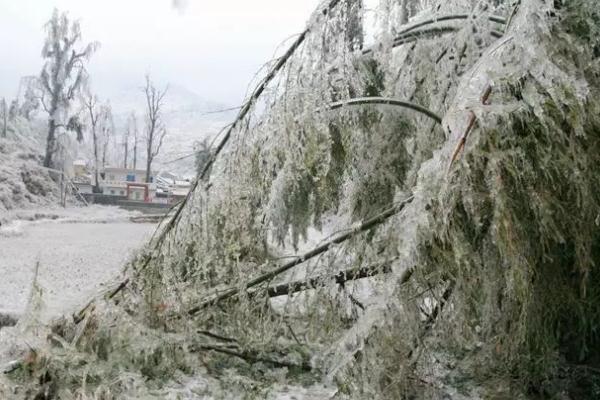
112,192
137,195
111,177
122,192
130,177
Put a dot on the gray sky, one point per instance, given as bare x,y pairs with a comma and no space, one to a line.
213,48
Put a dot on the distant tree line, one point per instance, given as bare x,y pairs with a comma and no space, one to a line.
63,92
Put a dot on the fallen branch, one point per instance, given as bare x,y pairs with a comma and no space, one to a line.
367,225
386,101
217,336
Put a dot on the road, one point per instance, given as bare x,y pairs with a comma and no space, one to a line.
76,259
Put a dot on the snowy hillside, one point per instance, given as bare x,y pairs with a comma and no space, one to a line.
23,182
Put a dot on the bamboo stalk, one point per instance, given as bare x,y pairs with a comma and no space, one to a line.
386,101
285,289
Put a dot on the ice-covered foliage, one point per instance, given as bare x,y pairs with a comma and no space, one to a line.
448,166
61,80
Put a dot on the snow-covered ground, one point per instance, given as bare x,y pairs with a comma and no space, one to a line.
78,251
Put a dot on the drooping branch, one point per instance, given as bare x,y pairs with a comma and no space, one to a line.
365,226
386,101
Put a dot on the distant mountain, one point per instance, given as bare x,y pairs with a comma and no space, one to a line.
189,119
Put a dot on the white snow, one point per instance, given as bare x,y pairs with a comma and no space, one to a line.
79,250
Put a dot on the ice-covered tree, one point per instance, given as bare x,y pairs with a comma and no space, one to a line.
155,128
62,77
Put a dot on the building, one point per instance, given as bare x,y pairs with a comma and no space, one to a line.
127,183
171,188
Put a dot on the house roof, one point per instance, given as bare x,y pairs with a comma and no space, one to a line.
124,170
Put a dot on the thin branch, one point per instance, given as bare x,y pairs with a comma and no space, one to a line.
217,337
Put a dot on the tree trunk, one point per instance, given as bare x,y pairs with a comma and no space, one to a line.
149,159
135,153
125,156
50,144
148,166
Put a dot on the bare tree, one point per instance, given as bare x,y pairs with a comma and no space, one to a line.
107,130
93,114
155,129
62,77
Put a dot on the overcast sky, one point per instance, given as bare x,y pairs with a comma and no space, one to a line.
213,47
